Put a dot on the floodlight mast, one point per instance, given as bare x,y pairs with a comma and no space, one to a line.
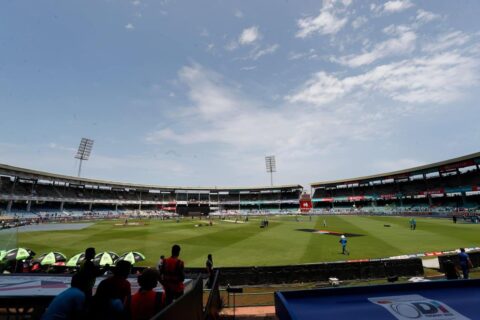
271,167
84,151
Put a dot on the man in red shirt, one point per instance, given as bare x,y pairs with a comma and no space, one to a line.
146,302
112,299
172,276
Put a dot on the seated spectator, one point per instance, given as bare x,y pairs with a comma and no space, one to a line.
112,299
70,304
146,302
107,270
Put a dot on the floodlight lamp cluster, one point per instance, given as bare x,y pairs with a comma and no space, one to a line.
84,149
270,164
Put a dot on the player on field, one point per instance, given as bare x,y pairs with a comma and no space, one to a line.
343,242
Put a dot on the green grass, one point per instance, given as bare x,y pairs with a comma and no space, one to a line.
246,244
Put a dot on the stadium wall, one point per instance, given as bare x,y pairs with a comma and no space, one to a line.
348,270
474,257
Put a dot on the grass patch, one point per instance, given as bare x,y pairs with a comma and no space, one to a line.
247,244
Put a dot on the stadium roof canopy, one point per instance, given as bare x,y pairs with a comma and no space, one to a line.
28,174
442,166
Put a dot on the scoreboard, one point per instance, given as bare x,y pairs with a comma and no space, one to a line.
305,203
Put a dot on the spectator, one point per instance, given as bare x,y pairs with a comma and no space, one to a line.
112,299
465,262
209,266
172,276
89,271
343,242
160,263
70,304
107,270
146,302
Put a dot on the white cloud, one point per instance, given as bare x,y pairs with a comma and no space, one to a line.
396,5
249,36
259,52
246,127
129,26
326,23
232,45
204,33
404,42
424,16
240,130
310,54
446,41
358,22
439,79
136,2
249,68
211,102
238,13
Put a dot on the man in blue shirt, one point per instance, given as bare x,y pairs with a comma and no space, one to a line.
70,304
343,242
465,262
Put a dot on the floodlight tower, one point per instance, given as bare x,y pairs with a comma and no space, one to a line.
271,167
84,151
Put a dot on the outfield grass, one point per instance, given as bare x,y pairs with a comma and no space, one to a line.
247,244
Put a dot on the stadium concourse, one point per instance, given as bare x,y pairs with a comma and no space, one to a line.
444,189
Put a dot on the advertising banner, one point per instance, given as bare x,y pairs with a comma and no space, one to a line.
415,306
305,205
435,191
356,198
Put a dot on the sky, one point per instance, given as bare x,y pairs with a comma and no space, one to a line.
197,93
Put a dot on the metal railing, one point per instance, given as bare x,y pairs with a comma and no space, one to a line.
214,302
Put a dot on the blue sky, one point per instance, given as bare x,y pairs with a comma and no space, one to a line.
198,92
